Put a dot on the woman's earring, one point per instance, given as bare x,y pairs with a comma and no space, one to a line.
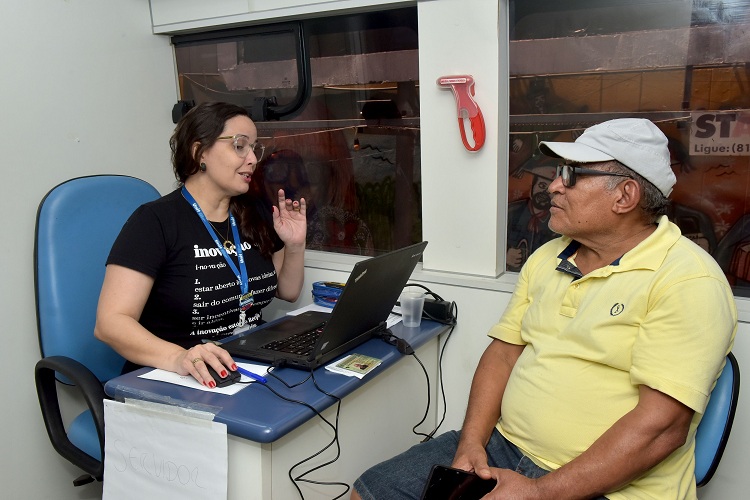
202,167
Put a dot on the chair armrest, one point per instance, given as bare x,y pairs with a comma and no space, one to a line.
93,393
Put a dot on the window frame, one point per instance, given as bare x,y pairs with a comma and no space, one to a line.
266,109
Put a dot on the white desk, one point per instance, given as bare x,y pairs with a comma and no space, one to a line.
375,422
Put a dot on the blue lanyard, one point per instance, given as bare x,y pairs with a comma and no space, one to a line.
242,272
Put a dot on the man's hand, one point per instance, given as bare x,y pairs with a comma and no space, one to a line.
472,458
512,486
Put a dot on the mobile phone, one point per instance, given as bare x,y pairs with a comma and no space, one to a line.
447,483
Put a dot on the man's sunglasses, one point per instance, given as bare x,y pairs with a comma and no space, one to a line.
569,172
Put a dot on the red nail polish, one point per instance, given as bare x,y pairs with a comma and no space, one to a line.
212,384
223,373
234,367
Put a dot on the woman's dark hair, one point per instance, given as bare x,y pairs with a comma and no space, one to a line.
200,126
196,132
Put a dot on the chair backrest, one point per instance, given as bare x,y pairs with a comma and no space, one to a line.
713,431
77,222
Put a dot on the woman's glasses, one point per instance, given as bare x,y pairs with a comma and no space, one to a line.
243,146
569,172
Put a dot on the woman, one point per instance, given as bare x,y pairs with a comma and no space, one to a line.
203,260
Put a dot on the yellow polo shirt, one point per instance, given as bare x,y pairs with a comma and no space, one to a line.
663,315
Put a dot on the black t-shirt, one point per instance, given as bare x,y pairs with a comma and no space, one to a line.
195,294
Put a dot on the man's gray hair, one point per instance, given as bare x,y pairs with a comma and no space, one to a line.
653,202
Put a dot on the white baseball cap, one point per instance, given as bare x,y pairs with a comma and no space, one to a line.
635,142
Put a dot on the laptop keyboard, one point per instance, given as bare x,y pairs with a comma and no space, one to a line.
301,343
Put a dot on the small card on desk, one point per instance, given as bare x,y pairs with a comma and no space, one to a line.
354,365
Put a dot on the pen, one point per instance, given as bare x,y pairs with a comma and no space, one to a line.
252,375
247,373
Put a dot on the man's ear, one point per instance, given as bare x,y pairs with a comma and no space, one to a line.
629,196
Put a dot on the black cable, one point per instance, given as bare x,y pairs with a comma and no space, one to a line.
405,348
427,408
334,428
289,386
452,323
430,292
454,307
335,441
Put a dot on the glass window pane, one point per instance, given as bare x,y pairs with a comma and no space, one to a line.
232,69
683,64
353,150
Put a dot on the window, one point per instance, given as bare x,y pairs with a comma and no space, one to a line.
336,103
682,64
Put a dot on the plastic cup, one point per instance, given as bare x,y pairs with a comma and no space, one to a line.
412,304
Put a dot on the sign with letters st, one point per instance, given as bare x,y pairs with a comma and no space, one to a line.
720,133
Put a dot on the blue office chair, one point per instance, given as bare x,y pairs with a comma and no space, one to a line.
713,431
77,222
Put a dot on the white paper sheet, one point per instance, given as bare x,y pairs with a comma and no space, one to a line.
189,381
170,453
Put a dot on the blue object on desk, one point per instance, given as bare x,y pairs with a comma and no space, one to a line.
252,375
257,414
326,293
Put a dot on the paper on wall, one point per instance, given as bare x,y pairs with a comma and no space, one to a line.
167,454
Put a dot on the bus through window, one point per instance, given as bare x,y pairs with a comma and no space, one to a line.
350,144
684,65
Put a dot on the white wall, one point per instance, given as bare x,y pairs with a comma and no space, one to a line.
85,88
464,222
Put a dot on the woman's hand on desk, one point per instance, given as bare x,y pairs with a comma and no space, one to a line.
194,361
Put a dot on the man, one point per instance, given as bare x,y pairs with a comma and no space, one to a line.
602,364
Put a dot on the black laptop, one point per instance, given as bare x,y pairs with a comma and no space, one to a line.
314,338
